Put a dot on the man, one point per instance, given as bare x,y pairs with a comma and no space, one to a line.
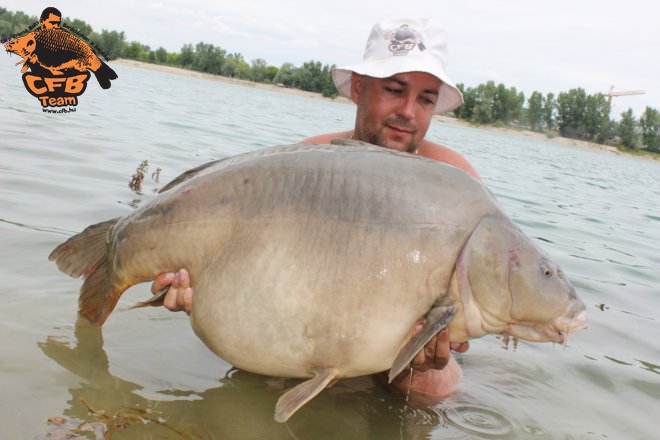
50,18
398,87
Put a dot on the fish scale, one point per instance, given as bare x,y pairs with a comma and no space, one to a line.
60,40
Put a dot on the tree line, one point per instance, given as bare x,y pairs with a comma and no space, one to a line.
573,114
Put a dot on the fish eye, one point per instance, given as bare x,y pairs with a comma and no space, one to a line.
546,271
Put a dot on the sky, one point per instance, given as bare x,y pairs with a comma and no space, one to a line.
546,46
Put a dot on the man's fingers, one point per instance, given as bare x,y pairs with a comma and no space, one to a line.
161,281
435,354
441,352
460,347
183,278
171,301
187,300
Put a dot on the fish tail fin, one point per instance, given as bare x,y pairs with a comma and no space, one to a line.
86,255
296,397
104,74
98,295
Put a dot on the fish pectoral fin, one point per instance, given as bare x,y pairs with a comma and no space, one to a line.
296,397
436,319
155,301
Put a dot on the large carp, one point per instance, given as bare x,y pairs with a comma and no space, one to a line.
317,262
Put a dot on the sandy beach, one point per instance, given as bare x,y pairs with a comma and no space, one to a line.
447,119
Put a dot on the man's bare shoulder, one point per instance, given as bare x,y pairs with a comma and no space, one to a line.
326,138
447,155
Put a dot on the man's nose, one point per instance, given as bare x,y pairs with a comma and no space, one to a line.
406,108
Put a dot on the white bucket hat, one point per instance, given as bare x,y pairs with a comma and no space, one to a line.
402,45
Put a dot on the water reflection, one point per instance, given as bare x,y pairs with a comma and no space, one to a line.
241,407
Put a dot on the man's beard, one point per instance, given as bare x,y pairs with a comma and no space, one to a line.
378,138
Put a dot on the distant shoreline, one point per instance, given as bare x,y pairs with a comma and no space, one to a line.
447,119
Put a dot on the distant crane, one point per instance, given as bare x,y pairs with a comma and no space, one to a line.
612,93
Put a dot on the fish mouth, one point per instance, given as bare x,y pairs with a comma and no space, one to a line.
557,331
566,326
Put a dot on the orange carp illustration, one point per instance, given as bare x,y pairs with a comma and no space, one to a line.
54,51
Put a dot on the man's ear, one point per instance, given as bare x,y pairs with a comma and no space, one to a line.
356,84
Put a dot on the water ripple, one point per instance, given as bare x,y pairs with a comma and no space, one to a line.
476,419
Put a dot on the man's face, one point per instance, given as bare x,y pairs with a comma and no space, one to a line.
53,21
394,112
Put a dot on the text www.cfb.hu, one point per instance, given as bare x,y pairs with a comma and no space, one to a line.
62,110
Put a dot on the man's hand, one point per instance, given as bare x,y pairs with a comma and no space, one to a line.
436,352
436,372
179,297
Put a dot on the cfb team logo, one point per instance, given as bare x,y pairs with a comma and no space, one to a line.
404,39
58,62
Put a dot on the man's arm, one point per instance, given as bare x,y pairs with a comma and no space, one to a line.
448,156
428,149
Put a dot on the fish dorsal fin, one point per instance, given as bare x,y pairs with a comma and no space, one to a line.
189,174
436,319
296,397
229,161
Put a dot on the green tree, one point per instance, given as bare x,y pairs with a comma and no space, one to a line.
234,62
187,56
229,67
650,125
571,107
173,59
285,75
14,22
271,73
208,58
136,51
161,55
466,111
242,70
482,111
596,119
628,130
111,42
258,69
507,105
549,109
328,88
535,114
313,76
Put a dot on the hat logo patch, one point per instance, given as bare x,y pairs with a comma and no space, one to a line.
403,40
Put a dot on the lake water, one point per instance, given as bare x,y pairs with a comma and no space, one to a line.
597,213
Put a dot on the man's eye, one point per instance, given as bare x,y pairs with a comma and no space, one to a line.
393,90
